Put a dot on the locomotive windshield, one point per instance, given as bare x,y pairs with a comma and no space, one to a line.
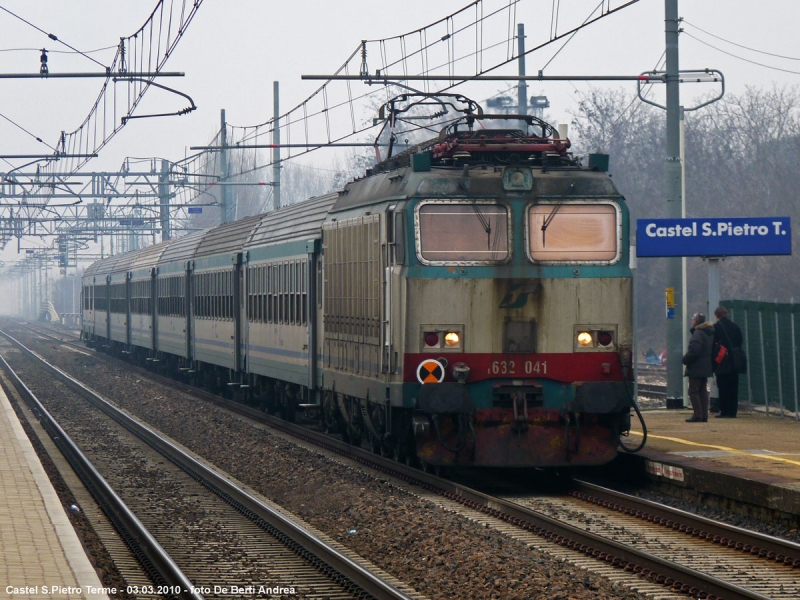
463,232
559,232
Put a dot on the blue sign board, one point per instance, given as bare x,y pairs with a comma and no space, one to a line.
747,236
124,221
195,210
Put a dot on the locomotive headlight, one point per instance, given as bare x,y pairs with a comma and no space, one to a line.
431,339
585,339
444,337
452,339
605,338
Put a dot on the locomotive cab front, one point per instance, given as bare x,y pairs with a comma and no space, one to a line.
518,321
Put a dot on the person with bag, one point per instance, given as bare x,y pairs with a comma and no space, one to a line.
698,366
729,361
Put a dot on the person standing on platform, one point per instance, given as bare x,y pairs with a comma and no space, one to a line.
698,366
727,334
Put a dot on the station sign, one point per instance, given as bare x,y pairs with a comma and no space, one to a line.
195,210
739,236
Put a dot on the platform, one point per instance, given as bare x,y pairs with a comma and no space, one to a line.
39,549
752,459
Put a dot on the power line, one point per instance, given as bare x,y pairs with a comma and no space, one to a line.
739,45
57,51
54,38
569,39
752,62
36,137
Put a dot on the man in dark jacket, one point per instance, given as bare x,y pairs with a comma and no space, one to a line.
698,366
727,334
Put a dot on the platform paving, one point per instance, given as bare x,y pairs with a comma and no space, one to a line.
754,458
40,553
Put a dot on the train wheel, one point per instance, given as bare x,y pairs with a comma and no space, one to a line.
398,452
437,470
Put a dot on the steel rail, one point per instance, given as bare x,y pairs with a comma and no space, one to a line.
368,582
625,557
724,534
155,560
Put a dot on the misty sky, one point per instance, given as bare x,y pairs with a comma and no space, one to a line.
234,50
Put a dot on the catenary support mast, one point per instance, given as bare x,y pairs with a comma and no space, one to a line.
675,320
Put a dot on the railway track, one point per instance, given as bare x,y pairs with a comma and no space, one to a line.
652,548
652,390
202,532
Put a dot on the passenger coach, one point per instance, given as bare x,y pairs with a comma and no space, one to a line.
469,303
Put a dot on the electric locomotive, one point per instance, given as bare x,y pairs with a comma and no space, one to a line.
466,303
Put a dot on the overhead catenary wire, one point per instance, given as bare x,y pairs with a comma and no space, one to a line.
36,137
58,51
434,43
569,39
752,62
739,45
54,38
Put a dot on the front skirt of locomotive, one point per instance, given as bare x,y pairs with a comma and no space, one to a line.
450,431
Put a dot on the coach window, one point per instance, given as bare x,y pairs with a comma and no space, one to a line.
275,294
216,295
204,290
253,282
230,294
304,299
218,298
292,292
461,232
210,290
268,314
265,293
223,297
574,232
258,293
226,295
206,295
280,293
257,281
261,290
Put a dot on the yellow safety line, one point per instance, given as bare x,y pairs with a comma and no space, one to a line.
723,448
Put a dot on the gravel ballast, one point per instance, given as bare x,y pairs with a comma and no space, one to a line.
440,554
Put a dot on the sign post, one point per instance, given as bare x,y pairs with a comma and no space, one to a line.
739,236
711,238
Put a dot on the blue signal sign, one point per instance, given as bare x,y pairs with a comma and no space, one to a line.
741,236
195,210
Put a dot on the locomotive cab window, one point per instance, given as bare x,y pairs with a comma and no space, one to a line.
462,232
574,232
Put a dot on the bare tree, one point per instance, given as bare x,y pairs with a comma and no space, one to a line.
741,160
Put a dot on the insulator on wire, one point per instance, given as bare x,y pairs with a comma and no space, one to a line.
364,68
